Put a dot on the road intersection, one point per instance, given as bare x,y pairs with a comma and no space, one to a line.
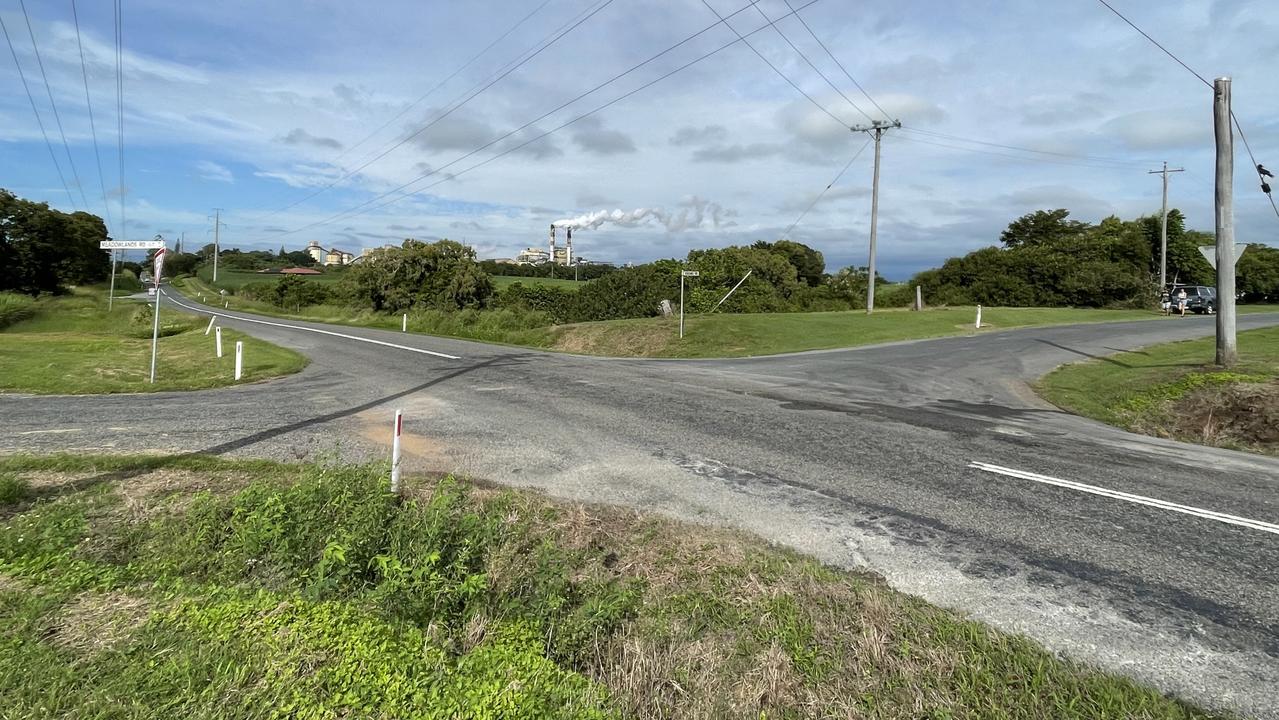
929,462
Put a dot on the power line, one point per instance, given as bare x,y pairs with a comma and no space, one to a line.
822,194
97,156
1202,79
357,210
1006,155
57,118
811,65
441,83
119,105
444,114
52,155
837,62
1167,52
1096,158
780,74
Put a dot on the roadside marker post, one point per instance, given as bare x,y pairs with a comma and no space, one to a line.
978,325
404,326
217,334
395,452
212,318
239,359
158,265
919,298
684,274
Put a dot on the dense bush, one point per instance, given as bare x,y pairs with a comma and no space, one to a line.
43,250
442,275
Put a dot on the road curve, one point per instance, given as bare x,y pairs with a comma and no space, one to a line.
928,462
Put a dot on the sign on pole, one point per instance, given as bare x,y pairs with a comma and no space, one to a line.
1210,253
683,274
131,244
155,327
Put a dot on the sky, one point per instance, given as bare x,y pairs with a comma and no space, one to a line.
361,124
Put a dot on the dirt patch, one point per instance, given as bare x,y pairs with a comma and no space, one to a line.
635,340
93,622
1233,415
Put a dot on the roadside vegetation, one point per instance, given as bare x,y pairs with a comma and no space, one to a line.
1174,391
71,344
137,587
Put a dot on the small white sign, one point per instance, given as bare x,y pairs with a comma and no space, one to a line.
1210,253
130,244
690,273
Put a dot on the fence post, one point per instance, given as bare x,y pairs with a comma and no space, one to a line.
239,359
395,452
919,298
210,327
978,326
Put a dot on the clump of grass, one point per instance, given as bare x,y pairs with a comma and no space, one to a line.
312,591
14,307
13,489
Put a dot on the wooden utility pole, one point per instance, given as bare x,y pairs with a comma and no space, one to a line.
1227,348
876,129
217,225
1163,229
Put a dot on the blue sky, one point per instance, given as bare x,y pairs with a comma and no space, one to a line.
253,106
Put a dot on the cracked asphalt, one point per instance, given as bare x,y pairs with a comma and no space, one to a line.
860,457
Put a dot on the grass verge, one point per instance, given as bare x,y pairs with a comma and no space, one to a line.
1173,391
706,336
72,344
136,587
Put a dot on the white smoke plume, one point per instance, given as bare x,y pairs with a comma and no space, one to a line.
693,213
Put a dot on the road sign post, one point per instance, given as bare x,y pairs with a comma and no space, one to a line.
158,260
115,245
683,274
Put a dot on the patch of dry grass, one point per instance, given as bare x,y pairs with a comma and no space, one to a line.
95,621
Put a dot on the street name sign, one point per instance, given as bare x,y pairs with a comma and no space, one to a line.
130,244
690,273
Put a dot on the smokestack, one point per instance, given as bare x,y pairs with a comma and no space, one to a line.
569,257
552,250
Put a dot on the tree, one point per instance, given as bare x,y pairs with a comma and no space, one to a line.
442,275
1041,227
810,266
42,249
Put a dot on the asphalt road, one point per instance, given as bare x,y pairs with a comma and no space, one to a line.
863,458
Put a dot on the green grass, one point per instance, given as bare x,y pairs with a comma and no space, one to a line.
14,307
139,587
1167,390
503,281
724,335
235,279
73,345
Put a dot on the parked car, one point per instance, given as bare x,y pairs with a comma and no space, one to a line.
1200,299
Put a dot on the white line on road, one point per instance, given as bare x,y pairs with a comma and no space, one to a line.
314,330
1129,497
58,431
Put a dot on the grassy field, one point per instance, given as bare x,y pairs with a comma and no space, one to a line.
1173,391
72,345
141,587
236,279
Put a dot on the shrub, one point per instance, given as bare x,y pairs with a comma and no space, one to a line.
13,490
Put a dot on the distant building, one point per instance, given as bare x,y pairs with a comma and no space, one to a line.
533,256
316,252
338,257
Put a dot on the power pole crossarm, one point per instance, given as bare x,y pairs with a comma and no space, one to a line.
875,129
1163,229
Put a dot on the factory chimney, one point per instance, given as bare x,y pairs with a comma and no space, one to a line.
569,256
552,250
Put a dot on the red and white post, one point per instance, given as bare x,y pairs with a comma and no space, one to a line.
395,452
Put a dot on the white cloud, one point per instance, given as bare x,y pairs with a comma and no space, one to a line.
210,170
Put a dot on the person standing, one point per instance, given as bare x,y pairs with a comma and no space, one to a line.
1181,301
1165,303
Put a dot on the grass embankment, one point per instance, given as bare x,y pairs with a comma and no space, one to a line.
1174,391
236,279
72,344
198,587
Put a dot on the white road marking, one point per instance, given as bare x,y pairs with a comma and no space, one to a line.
57,431
1129,497
314,330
